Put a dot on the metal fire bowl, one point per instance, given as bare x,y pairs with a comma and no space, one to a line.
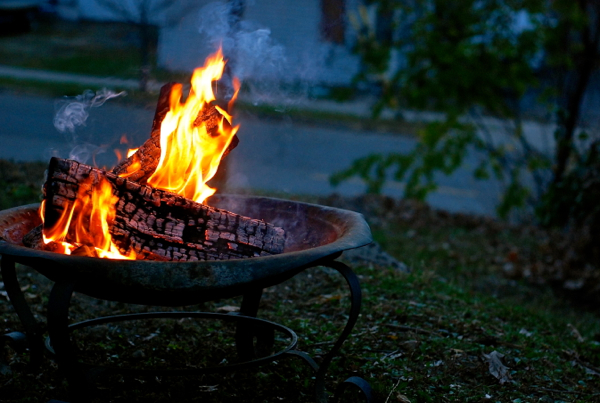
314,233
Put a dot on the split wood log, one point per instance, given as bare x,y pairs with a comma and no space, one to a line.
141,165
157,224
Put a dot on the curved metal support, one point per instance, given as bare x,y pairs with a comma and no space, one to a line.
307,358
355,303
33,329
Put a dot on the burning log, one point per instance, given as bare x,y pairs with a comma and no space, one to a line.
142,164
154,223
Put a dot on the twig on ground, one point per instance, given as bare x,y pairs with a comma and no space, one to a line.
392,391
586,365
412,329
321,343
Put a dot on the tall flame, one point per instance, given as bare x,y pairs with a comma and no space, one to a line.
194,135
190,150
87,223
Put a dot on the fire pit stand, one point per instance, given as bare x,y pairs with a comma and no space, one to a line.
316,236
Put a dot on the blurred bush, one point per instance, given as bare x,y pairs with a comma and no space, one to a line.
20,183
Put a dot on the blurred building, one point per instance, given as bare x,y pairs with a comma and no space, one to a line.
313,36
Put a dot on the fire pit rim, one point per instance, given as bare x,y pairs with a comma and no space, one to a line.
147,281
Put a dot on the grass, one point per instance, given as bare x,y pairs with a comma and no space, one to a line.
93,48
20,183
431,344
421,337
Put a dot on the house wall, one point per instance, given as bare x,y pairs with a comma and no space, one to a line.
293,24
180,46
92,10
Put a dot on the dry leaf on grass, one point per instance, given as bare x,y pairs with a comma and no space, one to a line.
575,333
497,369
402,399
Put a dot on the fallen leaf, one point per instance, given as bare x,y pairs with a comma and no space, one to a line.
525,332
496,368
513,256
575,333
410,344
208,388
402,398
321,299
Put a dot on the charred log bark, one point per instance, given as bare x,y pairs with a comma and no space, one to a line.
157,224
141,165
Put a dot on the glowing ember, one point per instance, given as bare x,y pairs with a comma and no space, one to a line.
87,222
131,151
190,152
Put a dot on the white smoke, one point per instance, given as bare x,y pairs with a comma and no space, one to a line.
214,22
73,111
250,48
254,56
86,152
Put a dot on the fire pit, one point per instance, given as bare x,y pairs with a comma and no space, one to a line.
142,233
315,236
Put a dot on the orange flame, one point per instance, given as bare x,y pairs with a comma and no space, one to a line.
190,155
130,151
190,151
86,222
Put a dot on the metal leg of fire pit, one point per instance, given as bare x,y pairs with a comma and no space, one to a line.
247,332
58,330
33,329
321,370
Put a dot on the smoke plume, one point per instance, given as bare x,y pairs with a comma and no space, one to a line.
254,56
74,111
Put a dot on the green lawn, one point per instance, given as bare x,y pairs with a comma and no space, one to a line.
93,48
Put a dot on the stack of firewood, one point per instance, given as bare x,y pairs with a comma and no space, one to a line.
154,223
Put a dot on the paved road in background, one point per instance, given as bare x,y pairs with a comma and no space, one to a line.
272,156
